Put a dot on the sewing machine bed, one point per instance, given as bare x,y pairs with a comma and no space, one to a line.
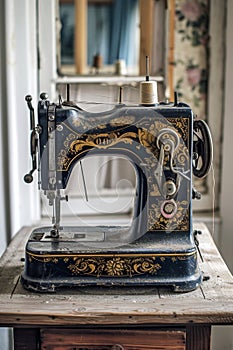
83,256
97,238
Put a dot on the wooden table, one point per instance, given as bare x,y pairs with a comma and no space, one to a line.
126,318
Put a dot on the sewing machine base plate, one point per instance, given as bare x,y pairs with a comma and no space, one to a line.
153,260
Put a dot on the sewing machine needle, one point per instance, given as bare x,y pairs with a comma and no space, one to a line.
53,215
84,182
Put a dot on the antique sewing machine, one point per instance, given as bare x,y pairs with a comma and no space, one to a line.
167,146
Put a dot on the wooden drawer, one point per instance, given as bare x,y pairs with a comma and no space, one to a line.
117,339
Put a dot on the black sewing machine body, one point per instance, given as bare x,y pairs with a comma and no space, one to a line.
159,248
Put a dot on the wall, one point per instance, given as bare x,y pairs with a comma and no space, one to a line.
4,219
21,79
226,243
222,337
18,72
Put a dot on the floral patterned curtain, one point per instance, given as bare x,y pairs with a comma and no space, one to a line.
191,53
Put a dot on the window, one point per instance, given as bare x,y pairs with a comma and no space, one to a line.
213,102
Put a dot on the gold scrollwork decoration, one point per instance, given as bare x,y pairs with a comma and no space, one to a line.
102,140
99,141
180,221
114,266
84,124
122,121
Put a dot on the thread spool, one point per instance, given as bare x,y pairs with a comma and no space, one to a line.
148,92
97,61
120,67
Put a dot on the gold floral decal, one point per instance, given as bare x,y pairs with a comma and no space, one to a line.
104,140
114,267
147,139
122,121
54,260
99,141
84,124
182,125
88,124
179,222
145,136
111,266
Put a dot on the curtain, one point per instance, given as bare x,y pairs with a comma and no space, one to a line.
124,23
98,32
111,31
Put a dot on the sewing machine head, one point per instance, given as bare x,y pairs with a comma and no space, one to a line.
166,146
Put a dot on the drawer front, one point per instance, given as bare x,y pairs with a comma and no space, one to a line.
117,339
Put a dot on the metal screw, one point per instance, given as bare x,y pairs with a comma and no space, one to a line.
59,127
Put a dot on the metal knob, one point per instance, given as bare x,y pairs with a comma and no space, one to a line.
196,194
28,178
28,98
169,188
168,209
44,95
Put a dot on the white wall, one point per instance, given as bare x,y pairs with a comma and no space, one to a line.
4,238
222,337
226,204
18,77
21,79
4,212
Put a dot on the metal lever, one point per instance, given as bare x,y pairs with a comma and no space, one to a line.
195,233
167,142
28,178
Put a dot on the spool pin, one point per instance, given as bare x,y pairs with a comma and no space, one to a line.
148,89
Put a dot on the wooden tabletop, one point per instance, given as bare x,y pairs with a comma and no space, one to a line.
212,303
